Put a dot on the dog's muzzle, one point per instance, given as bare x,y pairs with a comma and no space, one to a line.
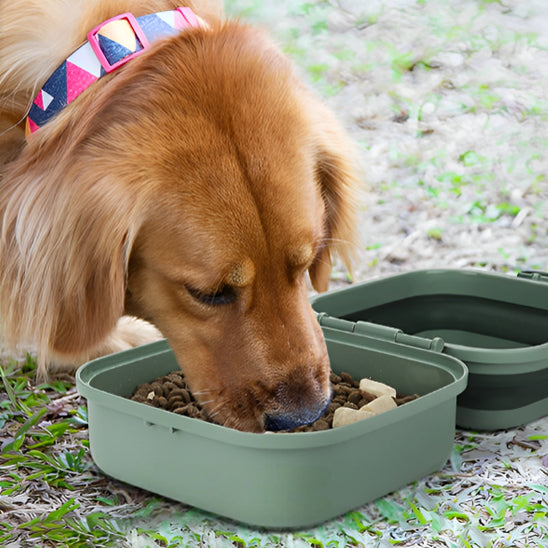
291,420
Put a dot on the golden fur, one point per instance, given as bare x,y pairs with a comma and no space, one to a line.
192,188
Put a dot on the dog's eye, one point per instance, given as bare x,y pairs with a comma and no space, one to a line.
224,295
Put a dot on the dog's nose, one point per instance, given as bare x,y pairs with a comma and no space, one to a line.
289,421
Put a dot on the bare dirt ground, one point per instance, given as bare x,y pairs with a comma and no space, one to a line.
447,104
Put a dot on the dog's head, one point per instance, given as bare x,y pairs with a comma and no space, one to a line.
196,189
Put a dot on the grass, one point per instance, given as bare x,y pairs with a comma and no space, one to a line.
45,465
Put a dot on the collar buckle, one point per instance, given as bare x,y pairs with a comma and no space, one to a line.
123,30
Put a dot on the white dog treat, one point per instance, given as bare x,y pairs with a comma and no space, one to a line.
380,404
345,415
376,388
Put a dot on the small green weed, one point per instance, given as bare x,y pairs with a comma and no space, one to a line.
42,458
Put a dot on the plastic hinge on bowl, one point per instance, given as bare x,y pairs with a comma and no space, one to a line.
397,335
435,345
379,331
326,320
536,275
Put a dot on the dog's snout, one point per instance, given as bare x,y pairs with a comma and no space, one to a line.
299,399
289,421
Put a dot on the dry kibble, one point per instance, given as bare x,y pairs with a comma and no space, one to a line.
376,388
321,424
177,379
334,378
181,410
169,387
400,400
348,379
349,404
355,397
343,389
157,387
181,393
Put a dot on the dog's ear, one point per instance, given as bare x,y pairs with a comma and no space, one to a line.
63,251
339,186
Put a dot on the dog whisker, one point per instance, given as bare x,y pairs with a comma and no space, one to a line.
217,408
203,392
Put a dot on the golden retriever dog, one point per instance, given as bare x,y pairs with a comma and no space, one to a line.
196,185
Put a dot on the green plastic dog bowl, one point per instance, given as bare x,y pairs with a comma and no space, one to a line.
496,324
283,480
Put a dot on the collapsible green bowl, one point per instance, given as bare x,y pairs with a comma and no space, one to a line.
283,480
496,324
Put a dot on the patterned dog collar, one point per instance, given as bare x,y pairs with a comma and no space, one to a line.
109,46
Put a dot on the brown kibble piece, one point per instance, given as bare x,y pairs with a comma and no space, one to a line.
401,399
334,378
321,424
354,397
181,410
177,380
342,389
347,378
157,387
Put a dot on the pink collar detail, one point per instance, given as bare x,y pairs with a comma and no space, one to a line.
109,46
